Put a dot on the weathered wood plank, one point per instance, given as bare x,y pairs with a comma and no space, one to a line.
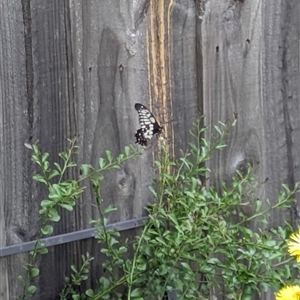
87,73
251,66
78,67
231,67
184,64
281,90
89,97
15,183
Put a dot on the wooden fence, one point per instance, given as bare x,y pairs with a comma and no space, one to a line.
78,67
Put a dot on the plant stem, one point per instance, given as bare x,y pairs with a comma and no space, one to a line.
136,253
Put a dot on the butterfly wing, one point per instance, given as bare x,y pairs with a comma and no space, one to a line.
148,125
140,139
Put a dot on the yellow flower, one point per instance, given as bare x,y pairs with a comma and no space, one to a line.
294,245
289,293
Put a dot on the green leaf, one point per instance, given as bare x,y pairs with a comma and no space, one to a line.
53,215
109,209
45,156
138,292
101,162
157,163
186,267
71,164
120,158
109,156
99,177
74,269
29,146
54,218
55,191
104,251
53,174
35,149
141,264
58,167
218,129
286,187
66,206
40,243
152,191
172,217
258,205
122,250
186,162
63,155
221,146
105,221
190,194
90,293
43,250
84,277
161,241
46,203
34,272
213,261
85,169
31,290
265,286
46,230
113,241
205,143
115,166
76,297
40,178
127,151
104,282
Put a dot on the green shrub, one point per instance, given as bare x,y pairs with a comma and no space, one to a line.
196,241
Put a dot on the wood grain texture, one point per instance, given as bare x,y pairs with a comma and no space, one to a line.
251,66
77,68
15,183
281,91
184,72
248,70
232,78
173,76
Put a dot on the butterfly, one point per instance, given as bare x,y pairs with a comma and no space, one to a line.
148,125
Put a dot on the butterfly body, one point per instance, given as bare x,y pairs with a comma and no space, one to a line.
148,125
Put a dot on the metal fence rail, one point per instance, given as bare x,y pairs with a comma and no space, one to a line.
70,237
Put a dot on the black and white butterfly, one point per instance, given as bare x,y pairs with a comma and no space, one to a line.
148,125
